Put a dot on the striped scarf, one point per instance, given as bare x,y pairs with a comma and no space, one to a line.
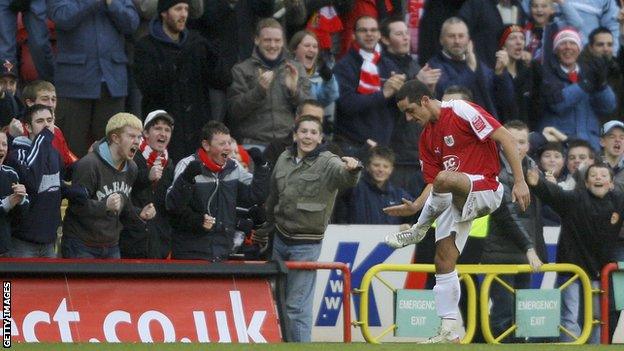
370,82
151,155
324,23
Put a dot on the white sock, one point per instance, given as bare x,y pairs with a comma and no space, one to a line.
436,204
447,293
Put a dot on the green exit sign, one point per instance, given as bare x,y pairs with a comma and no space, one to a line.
415,314
538,312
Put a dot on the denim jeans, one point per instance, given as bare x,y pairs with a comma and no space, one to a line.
76,248
299,287
572,308
503,306
38,37
21,248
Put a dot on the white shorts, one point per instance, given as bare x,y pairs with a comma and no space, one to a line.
484,198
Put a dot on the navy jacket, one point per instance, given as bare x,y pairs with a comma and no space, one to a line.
40,169
366,201
360,117
90,43
490,91
571,109
8,177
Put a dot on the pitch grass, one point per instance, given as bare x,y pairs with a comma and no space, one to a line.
310,347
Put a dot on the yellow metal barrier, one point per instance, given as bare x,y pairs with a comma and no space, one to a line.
491,272
471,322
491,275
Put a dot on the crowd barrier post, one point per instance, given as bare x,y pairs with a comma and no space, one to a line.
605,283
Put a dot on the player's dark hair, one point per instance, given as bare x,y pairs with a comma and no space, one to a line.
413,90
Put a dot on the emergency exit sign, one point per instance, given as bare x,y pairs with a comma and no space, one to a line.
415,314
538,312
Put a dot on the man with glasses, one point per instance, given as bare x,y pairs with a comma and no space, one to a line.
366,110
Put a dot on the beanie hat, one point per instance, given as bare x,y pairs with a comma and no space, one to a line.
156,115
164,5
506,32
567,34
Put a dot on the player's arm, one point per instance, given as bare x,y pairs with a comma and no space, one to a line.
409,208
520,191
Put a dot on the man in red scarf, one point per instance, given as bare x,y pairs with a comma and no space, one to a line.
151,239
366,109
207,187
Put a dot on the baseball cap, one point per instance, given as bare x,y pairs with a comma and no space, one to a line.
154,115
606,128
8,69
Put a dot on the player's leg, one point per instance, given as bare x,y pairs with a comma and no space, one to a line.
451,237
448,187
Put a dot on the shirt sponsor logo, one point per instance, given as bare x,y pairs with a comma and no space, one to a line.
451,163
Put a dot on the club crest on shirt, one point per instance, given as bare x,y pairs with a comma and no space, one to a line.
448,140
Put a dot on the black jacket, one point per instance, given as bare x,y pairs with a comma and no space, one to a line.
526,87
151,239
232,28
215,194
485,26
511,231
589,225
176,77
406,134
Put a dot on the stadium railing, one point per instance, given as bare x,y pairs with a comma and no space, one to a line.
605,284
491,274
427,268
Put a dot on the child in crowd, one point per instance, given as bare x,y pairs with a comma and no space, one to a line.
374,191
591,218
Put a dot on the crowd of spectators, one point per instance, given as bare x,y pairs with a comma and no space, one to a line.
155,119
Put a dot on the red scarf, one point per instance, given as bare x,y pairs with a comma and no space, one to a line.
208,162
151,155
324,23
370,82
